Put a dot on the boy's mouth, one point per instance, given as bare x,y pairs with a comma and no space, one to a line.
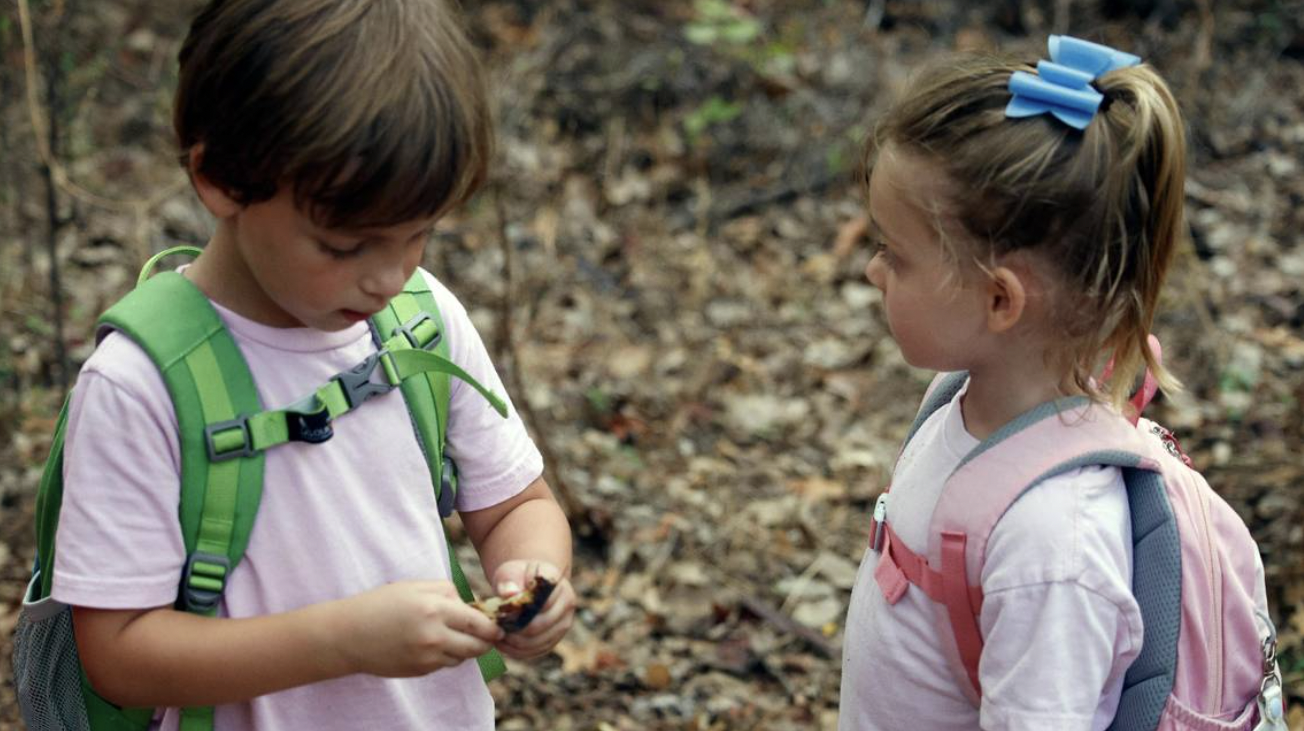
354,315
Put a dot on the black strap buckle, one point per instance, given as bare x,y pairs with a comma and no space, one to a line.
202,581
311,427
409,330
357,383
246,448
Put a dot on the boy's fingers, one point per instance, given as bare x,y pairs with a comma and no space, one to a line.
470,621
464,647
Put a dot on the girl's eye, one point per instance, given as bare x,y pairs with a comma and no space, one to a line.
880,249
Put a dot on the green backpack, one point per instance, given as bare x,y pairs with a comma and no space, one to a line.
224,430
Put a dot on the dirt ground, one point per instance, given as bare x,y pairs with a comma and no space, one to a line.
668,270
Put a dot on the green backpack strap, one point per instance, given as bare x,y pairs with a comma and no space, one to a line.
408,328
208,382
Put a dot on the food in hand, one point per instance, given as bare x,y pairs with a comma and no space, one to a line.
514,612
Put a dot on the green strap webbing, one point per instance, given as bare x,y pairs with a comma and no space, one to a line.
209,382
398,362
427,398
49,499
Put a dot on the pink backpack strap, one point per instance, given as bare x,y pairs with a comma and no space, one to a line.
1051,439
1047,441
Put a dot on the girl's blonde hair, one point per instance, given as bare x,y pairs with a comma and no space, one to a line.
1102,207
375,111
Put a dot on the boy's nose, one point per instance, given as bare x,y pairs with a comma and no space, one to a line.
386,282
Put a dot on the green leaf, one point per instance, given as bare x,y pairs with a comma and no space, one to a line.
701,34
741,31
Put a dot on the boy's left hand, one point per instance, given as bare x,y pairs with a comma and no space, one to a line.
551,624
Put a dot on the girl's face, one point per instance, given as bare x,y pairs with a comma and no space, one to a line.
935,312
303,275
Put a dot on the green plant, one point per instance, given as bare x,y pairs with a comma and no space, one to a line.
711,112
718,21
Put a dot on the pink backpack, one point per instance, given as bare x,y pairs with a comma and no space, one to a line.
1208,658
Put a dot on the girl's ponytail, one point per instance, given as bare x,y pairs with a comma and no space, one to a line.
1142,195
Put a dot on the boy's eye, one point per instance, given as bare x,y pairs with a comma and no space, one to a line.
339,252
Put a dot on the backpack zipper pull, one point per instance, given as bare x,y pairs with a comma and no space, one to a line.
878,528
1272,708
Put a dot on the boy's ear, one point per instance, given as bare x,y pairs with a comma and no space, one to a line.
1007,298
213,196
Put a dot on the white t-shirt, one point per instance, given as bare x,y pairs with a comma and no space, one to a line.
1059,622
336,519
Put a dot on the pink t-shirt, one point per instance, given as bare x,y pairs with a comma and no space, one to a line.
336,518
1059,622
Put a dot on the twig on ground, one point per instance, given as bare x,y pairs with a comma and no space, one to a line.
588,524
781,621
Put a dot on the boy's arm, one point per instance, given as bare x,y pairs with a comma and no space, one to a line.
165,657
525,536
529,526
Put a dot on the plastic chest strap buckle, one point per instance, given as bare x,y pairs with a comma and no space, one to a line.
357,384
203,581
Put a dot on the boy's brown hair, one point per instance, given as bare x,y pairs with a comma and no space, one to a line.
1103,207
374,111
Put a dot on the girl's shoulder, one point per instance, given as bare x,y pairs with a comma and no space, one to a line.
1073,527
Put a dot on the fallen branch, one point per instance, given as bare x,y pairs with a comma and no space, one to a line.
57,174
781,621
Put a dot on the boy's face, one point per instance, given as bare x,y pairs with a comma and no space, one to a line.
301,274
934,315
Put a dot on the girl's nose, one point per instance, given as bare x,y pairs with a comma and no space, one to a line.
874,271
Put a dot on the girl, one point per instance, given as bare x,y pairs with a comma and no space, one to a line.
1025,219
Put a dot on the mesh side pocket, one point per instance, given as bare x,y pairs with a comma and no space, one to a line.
47,672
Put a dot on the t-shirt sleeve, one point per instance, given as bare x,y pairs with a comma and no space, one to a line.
1048,654
496,458
1060,631
118,544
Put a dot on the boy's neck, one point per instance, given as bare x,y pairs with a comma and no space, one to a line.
222,274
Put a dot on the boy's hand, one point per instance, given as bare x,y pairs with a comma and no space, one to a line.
410,628
551,624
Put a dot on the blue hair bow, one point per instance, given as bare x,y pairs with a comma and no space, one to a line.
1062,85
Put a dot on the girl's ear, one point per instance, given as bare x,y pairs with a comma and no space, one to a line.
213,196
1007,298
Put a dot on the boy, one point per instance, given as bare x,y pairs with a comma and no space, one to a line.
326,137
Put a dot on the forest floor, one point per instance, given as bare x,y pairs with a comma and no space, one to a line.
668,269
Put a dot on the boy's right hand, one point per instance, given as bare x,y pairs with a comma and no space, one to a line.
410,628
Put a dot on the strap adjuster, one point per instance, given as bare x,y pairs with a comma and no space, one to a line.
220,432
357,384
447,487
411,331
202,581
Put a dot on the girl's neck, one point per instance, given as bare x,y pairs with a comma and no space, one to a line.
1001,391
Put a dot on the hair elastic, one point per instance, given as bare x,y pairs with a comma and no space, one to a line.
1062,86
